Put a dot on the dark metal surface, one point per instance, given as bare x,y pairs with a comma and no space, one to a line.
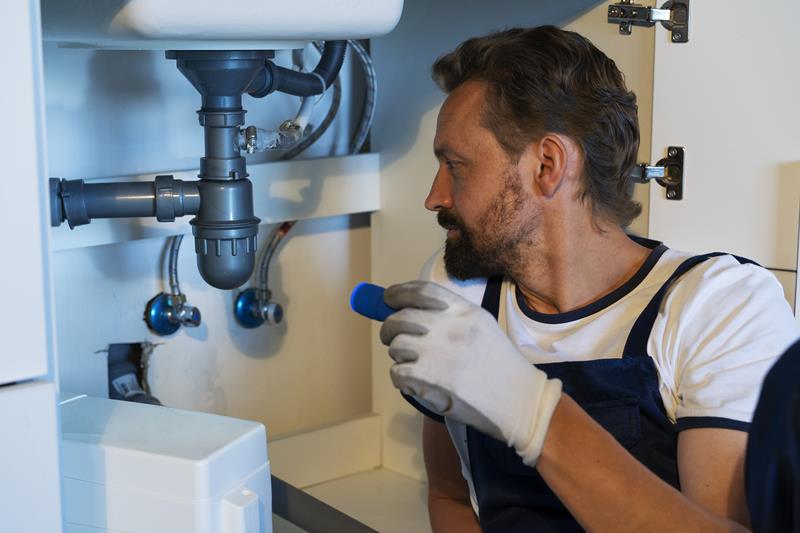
668,173
628,14
309,513
673,181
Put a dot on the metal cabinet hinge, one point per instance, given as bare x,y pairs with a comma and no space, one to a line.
673,15
668,173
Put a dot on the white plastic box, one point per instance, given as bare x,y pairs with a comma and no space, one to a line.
150,469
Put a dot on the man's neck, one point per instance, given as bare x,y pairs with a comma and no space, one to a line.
570,273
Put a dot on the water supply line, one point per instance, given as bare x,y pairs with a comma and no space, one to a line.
293,135
254,307
370,97
224,226
367,113
290,132
184,314
165,313
264,292
320,130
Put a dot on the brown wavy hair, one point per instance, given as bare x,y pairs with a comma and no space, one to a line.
547,80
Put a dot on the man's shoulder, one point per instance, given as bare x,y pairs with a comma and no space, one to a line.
727,293
724,276
723,324
434,270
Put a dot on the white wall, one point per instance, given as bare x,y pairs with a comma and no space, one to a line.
114,113
404,235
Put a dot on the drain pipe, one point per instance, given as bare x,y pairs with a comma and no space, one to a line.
77,202
224,226
275,78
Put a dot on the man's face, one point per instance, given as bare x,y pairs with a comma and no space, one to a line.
478,192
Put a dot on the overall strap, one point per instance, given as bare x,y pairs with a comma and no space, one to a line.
636,345
491,296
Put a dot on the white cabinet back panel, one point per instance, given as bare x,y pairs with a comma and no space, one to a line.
730,97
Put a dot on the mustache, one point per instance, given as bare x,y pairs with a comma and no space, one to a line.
448,220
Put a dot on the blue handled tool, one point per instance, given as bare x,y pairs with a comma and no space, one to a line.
367,299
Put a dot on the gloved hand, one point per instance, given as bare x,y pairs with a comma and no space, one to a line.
452,355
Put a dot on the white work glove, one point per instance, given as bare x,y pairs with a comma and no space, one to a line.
453,356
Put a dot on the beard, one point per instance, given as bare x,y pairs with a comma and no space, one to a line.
496,247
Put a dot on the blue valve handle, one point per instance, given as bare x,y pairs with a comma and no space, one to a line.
367,300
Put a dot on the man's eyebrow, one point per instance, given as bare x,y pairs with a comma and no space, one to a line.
446,152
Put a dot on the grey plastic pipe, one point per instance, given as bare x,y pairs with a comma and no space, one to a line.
77,202
275,78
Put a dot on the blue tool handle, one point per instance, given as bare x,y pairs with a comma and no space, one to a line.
367,299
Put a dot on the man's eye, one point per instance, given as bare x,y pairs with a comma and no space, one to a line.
451,165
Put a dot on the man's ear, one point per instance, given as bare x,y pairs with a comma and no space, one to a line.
551,163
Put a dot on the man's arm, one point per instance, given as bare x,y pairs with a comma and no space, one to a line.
447,349
448,494
607,489
711,469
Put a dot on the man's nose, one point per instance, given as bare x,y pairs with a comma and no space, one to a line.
440,197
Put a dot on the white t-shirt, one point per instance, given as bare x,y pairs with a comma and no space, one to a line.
720,328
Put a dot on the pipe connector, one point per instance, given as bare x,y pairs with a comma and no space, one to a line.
77,202
175,198
274,78
252,311
186,315
253,139
164,314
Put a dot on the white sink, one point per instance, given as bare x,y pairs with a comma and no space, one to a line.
212,24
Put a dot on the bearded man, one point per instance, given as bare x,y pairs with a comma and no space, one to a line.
573,377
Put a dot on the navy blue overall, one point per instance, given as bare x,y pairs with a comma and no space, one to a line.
772,468
622,395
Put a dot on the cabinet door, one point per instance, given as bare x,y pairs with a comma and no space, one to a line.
730,97
24,276
29,484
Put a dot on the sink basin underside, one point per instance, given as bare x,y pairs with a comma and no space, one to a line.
213,25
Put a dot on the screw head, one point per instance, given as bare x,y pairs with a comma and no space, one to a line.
670,194
677,36
672,152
